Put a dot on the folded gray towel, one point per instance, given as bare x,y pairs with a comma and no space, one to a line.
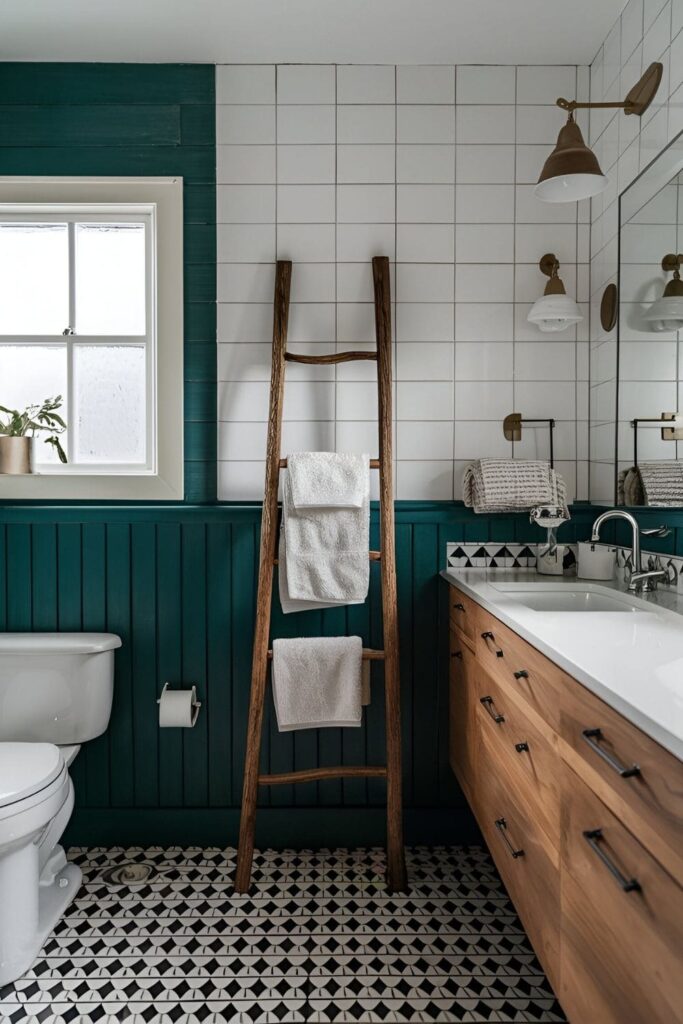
317,682
323,554
512,485
652,483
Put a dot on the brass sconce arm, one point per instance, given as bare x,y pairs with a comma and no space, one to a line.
638,100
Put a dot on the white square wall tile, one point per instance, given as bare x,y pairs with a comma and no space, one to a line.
245,243
366,164
357,243
476,400
423,204
479,124
479,243
306,243
356,400
311,321
538,124
542,85
305,124
483,360
533,240
302,204
490,282
424,321
241,481
354,282
357,436
245,204
305,83
546,398
365,83
542,360
424,400
245,165
356,323
425,243
241,322
305,164
313,282
424,282
366,204
425,164
480,439
427,480
481,204
245,83
245,282
490,321
431,439
485,84
366,124
484,164
425,84
424,123
424,360
245,125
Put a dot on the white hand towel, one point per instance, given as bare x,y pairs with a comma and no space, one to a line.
327,479
512,485
323,552
317,682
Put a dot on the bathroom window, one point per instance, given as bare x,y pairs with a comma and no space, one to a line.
91,310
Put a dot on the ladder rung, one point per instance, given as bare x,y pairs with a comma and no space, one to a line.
374,556
337,357
369,654
374,464
316,774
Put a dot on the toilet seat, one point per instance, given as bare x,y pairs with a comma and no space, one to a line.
26,769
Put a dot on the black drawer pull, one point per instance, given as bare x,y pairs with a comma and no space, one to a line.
501,824
488,704
488,636
592,738
456,654
593,838
521,747
459,607
521,674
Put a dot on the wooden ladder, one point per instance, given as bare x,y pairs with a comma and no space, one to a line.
396,875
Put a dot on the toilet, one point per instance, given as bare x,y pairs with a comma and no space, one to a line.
56,693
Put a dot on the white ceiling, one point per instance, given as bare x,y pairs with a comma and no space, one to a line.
353,31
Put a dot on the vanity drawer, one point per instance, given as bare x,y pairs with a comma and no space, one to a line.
604,748
520,850
621,948
462,740
514,663
464,613
524,759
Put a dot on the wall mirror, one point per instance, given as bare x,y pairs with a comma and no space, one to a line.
637,383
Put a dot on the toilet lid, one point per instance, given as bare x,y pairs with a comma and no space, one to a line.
26,768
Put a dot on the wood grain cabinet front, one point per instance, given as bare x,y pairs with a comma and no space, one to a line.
583,814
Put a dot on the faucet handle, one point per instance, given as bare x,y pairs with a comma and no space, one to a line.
656,531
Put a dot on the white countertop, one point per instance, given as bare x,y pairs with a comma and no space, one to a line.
634,662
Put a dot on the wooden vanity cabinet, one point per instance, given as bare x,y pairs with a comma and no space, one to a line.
548,770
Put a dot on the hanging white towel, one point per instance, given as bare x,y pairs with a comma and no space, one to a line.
513,485
317,682
324,543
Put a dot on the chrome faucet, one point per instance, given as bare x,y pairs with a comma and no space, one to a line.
640,579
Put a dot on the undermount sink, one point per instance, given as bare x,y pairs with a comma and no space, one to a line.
543,597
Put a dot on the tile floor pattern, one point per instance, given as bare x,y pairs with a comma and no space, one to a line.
317,939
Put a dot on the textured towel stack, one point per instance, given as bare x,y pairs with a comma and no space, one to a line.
325,535
507,485
652,483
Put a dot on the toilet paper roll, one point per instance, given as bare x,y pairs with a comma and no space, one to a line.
178,708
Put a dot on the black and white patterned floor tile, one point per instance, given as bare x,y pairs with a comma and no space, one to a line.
317,939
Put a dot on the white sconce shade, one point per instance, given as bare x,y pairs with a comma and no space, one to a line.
571,188
666,314
554,311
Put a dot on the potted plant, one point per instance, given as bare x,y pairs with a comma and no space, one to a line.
17,433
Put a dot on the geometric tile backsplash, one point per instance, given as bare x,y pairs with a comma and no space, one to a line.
433,166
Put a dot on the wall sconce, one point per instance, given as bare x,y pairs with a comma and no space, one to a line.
666,314
554,311
572,171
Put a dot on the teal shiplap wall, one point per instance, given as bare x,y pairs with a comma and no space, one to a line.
177,584
135,119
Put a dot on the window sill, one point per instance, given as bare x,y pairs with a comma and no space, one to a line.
91,486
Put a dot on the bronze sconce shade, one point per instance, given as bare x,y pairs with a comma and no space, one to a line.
609,307
666,314
572,171
554,311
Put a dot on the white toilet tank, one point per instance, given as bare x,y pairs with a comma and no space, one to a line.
56,687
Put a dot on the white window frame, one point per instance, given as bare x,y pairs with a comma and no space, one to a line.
158,202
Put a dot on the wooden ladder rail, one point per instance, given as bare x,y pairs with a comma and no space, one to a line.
396,874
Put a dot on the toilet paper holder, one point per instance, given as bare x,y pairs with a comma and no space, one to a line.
175,705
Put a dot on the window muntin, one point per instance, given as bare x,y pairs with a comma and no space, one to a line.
78,320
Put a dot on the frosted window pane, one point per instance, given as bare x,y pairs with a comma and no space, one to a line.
110,279
109,398
34,278
29,374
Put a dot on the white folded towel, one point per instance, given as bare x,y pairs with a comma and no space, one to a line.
323,552
317,682
652,483
512,485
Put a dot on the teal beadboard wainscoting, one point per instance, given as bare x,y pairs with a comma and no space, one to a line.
130,120
177,583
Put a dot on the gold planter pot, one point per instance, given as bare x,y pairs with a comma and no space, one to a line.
16,455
